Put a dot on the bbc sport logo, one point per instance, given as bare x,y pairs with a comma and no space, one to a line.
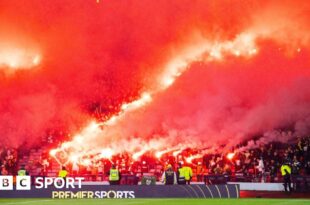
24,182
57,187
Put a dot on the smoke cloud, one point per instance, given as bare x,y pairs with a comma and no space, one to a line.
98,56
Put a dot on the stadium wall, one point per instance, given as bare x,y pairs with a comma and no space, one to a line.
251,186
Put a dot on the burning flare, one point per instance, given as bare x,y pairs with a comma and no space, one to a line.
230,156
82,145
15,58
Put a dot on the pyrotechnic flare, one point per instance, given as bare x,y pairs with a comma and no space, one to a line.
191,158
230,156
18,58
242,45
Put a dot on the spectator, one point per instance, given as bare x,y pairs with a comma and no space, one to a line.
273,170
218,169
4,171
169,177
101,170
45,166
261,169
199,172
295,166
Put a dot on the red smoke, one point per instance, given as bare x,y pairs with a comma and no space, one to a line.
97,56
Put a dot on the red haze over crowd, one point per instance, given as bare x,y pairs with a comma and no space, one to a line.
244,71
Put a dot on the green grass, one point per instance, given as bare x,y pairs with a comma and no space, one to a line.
155,201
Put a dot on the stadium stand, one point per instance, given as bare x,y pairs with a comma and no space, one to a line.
257,164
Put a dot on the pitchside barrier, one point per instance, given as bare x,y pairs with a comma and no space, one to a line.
128,191
299,183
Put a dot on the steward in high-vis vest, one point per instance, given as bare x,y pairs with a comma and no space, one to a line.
181,175
22,171
188,174
114,176
286,174
63,173
184,174
169,176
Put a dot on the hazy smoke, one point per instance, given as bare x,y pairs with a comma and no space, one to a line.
97,56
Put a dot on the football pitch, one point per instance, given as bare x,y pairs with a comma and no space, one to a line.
155,201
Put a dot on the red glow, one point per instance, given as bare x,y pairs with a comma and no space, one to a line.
230,156
120,81
53,152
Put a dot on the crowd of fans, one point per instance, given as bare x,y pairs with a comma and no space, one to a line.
261,162
8,161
